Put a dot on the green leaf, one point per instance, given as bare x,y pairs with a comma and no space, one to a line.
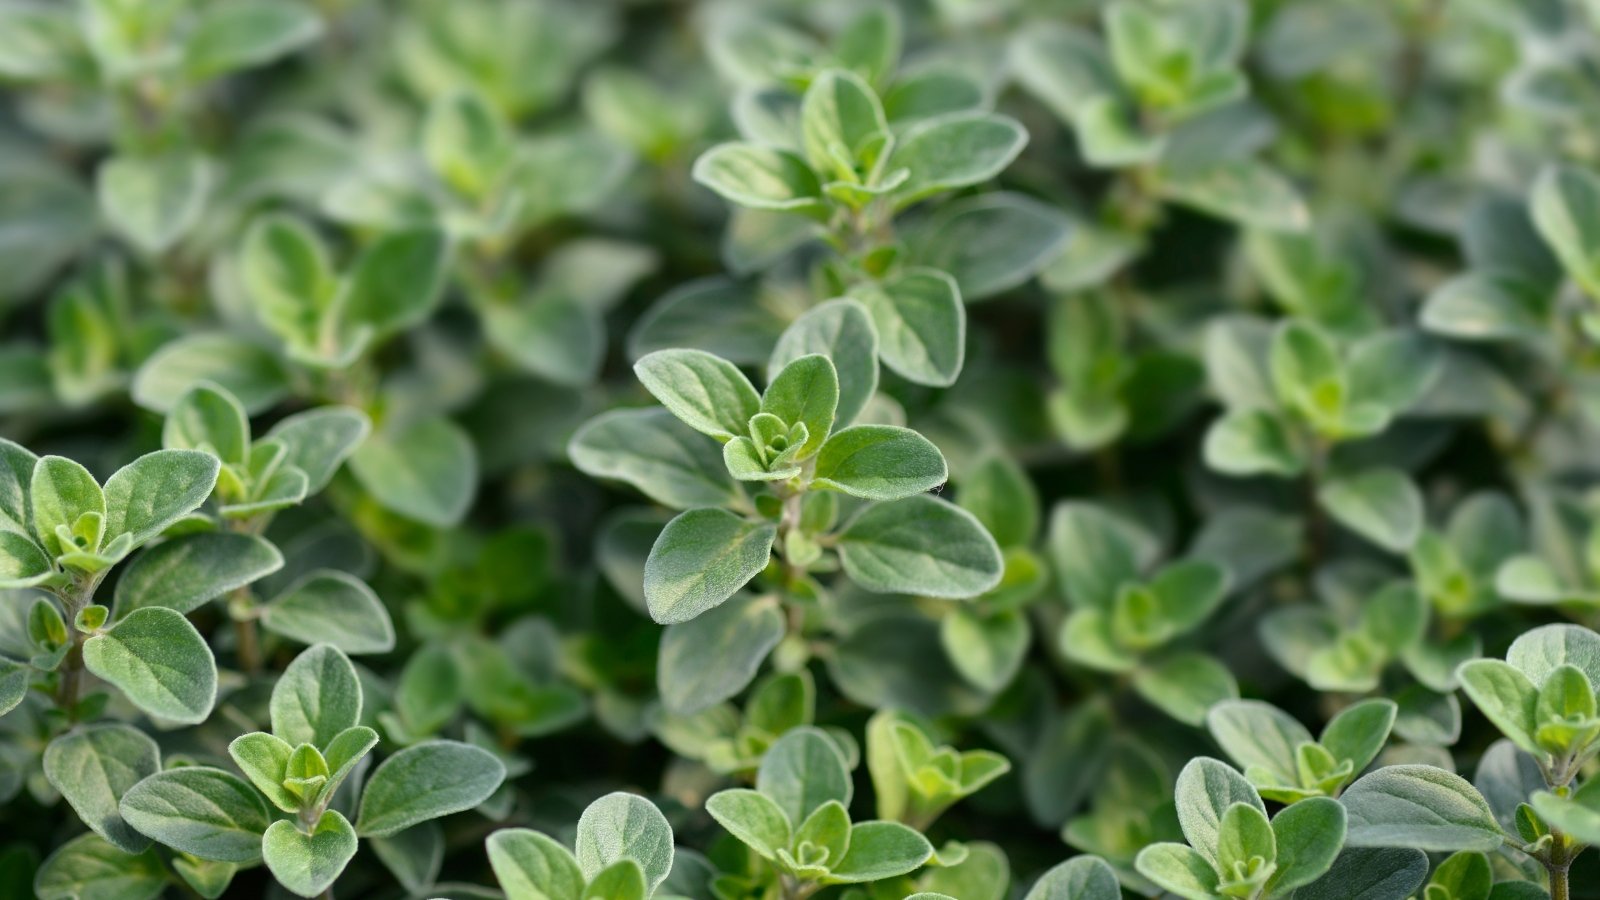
156,658
1186,685
243,35
1309,836
1464,876
805,391
330,607
89,868
1205,789
1254,442
623,826
703,557
1382,505
154,201
842,126
1079,878
22,562
954,151
1178,869
427,471
264,759
920,545
759,177
655,453
318,441
93,767
986,650
1565,204
921,324
1506,697
14,679
156,490
1362,873
707,393
1488,306
63,492
623,880
318,696
307,864
753,818
1577,815
209,418
1359,731
245,369
713,657
841,330
533,866
285,270
467,142
802,771
201,811
1541,651
992,243
1258,735
426,781
395,284
880,850
1244,191
1419,806
183,573
879,462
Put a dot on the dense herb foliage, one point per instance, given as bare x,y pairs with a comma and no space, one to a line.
775,449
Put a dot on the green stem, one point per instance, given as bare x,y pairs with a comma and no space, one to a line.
241,608
71,683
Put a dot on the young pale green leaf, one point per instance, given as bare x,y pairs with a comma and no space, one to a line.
1382,505
426,781
307,864
1359,731
955,151
879,462
805,391
1463,876
760,178
247,34
93,767
1309,835
879,850
987,650
1205,789
467,142
334,608
156,490
1566,208
532,866
802,771
623,826
920,545
342,754
1421,807
1178,869
713,657
154,201
156,658
703,557
1506,697
709,394
427,471
247,370
842,126
752,817
264,759
655,453
211,419
1577,815
183,573
841,330
622,880
201,811
62,493
285,270
317,697
1079,878
1254,442
921,324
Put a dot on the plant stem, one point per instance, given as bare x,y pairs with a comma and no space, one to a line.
241,608
71,683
